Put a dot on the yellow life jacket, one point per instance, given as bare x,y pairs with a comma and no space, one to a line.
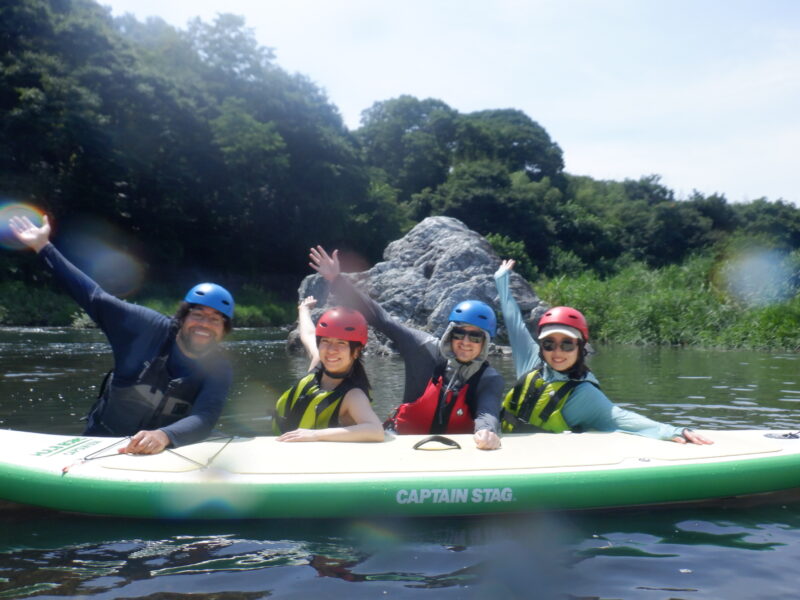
307,406
534,405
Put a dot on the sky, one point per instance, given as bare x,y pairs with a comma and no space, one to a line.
703,93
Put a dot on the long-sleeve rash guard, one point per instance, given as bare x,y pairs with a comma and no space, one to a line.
587,407
136,334
420,353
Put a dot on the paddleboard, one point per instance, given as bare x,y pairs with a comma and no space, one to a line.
235,478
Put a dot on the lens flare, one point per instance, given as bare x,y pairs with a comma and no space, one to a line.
10,209
758,277
97,248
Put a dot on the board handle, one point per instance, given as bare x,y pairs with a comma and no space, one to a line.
451,444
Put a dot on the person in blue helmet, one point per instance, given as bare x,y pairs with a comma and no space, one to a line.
170,378
450,387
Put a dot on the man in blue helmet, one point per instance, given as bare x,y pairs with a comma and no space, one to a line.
450,386
170,379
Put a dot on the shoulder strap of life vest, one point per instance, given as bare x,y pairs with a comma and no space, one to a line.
445,409
555,398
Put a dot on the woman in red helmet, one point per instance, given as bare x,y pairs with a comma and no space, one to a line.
332,402
556,391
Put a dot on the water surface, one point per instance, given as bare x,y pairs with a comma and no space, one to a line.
49,378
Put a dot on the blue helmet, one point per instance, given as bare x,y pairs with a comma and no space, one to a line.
212,295
475,312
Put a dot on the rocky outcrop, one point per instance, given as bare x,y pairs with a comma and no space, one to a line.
439,263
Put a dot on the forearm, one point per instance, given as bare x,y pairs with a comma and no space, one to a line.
590,409
373,312
307,332
523,345
632,422
206,411
84,290
489,401
363,432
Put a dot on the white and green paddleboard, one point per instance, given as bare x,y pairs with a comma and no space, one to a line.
234,478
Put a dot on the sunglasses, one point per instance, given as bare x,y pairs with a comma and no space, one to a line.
476,337
566,345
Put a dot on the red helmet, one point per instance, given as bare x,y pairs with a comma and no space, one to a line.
343,324
565,315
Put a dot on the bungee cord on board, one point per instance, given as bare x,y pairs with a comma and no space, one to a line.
96,455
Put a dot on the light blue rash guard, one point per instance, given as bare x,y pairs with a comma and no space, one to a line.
587,407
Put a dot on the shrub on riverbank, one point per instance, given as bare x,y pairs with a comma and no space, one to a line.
22,305
679,305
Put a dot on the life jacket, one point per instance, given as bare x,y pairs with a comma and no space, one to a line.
438,410
154,400
535,405
307,406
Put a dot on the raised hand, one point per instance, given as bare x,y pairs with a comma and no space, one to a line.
29,234
307,303
506,265
325,264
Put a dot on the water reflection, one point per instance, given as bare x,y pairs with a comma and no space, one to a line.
710,551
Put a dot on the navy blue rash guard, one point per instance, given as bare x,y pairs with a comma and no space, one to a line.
136,334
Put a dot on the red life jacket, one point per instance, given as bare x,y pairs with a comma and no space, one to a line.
457,415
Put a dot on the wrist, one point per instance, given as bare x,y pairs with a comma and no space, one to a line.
39,246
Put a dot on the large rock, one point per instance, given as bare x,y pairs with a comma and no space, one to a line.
439,263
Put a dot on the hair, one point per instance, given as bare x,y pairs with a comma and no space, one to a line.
580,369
183,311
358,374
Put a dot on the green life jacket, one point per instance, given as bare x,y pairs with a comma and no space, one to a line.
535,405
307,406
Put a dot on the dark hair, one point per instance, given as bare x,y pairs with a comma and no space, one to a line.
580,369
358,374
183,311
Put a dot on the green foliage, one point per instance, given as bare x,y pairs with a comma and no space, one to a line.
22,304
256,307
25,305
217,161
677,304
409,140
507,248
510,137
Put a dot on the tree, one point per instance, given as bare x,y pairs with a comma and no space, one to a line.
510,137
410,140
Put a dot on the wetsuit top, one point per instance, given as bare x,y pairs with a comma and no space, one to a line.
588,408
136,334
421,356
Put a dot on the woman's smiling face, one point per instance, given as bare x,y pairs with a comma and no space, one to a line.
336,355
555,355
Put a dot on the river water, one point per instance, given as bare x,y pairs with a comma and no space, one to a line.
49,377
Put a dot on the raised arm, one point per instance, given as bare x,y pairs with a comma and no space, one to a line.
524,348
406,339
307,330
118,319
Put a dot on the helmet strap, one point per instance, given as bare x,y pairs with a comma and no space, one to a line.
337,375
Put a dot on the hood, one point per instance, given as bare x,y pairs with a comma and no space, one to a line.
460,372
